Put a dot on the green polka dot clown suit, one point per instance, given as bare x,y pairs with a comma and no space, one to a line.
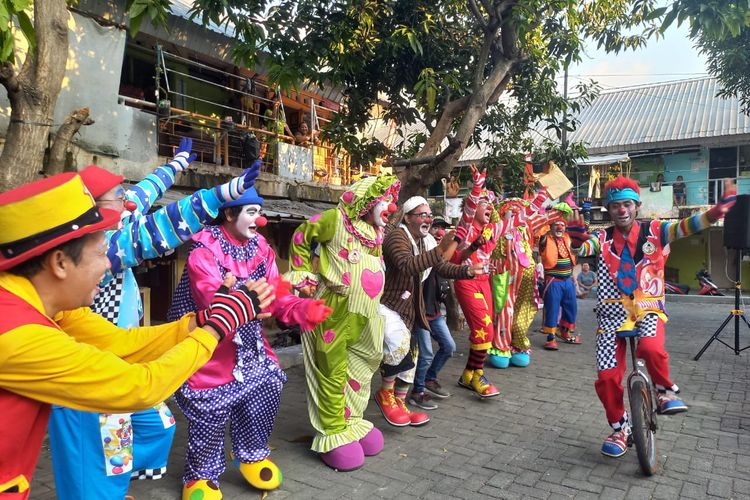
343,352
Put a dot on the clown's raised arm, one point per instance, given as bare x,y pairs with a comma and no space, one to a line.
148,236
154,185
622,189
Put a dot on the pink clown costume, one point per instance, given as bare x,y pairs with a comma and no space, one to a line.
242,382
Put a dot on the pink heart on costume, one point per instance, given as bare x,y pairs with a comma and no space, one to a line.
347,197
298,238
297,261
372,282
315,218
354,385
346,278
344,253
328,336
347,412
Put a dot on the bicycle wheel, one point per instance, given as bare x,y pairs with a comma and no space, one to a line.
643,435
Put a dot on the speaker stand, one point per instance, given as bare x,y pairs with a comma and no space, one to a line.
735,314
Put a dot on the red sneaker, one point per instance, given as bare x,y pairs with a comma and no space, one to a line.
551,345
570,338
393,413
416,418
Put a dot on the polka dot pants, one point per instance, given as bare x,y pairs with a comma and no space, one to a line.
250,407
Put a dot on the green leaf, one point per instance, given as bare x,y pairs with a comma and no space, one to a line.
668,20
27,28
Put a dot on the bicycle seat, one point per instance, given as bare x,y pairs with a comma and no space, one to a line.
628,333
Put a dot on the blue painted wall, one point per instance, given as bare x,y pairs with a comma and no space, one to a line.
693,167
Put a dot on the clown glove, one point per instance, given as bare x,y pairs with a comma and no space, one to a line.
234,188
478,178
727,201
183,157
316,313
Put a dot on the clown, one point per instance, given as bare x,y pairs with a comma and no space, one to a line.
475,295
344,351
631,258
559,288
242,382
515,278
77,438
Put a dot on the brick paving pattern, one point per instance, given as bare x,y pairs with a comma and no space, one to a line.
539,439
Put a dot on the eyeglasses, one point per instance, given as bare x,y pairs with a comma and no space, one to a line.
422,215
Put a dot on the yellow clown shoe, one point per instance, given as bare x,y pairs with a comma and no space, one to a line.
201,489
476,381
263,475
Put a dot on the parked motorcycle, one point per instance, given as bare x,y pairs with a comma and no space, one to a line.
708,287
676,288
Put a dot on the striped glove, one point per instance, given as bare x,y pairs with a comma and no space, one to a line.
233,189
719,210
229,310
183,157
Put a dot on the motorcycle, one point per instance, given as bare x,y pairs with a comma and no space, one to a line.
676,288
708,287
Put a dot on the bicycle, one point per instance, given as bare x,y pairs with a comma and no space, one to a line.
641,394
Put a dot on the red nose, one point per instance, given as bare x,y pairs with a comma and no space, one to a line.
261,221
392,208
440,233
130,206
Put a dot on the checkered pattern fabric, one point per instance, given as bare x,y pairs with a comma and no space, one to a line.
611,314
151,474
107,301
647,326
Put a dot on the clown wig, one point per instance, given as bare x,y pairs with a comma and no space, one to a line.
622,188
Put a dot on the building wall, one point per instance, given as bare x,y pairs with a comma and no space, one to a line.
693,167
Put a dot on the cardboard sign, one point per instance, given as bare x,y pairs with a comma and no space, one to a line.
554,180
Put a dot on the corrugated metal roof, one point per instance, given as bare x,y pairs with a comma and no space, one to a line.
662,115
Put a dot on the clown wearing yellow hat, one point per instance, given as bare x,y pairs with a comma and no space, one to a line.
54,349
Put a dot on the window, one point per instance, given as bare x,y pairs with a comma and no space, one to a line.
744,161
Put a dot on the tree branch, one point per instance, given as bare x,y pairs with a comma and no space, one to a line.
453,144
9,79
65,133
474,8
444,124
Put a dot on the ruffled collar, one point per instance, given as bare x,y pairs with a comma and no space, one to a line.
241,258
367,234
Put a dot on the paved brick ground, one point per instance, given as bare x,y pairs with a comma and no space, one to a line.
539,439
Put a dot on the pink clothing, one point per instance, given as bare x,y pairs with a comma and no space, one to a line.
206,268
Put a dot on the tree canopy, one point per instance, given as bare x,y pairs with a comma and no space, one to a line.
468,71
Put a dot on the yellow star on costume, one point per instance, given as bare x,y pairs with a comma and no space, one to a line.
480,295
487,320
481,334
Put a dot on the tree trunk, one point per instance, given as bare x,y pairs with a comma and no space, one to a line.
415,180
33,94
74,121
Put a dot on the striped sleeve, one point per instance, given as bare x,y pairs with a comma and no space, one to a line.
149,236
674,230
590,247
151,188
398,249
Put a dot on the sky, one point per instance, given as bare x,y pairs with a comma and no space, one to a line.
670,58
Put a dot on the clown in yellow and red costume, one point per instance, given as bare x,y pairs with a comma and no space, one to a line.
631,256
54,349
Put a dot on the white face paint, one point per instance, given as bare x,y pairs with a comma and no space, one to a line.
245,223
381,213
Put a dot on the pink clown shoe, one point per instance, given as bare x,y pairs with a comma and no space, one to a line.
372,443
345,458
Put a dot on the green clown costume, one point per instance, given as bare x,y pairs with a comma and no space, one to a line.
342,353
